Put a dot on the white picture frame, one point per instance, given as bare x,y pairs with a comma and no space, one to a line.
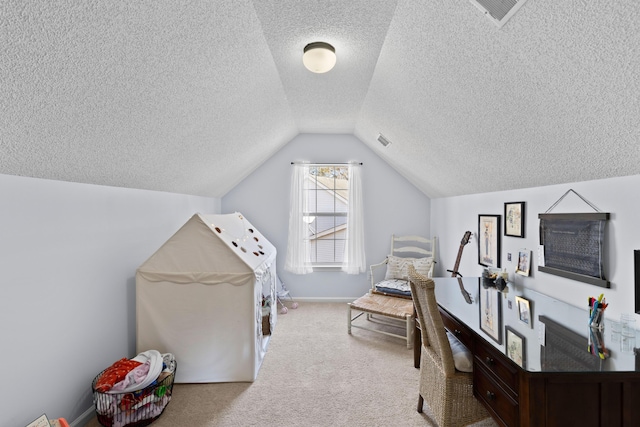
523,267
524,311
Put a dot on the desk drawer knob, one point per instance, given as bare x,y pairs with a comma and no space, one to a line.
490,395
488,360
457,332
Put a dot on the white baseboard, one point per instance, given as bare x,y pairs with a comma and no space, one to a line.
83,419
323,299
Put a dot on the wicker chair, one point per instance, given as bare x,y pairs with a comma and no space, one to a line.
448,392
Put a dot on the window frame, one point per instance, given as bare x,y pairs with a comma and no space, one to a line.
335,213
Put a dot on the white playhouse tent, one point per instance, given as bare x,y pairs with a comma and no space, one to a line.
200,297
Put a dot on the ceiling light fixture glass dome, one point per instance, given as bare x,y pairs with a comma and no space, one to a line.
319,57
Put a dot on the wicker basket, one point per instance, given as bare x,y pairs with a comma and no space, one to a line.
134,409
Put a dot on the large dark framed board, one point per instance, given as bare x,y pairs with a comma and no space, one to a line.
636,272
574,246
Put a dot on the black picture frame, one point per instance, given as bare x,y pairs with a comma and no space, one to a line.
514,219
491,313
515,346
636,273
573,246
489,240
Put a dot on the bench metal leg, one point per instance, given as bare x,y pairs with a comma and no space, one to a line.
410,328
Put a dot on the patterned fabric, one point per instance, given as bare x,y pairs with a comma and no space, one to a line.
115,373
422,266
397,267
401,286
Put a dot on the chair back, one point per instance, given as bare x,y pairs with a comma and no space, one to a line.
433,333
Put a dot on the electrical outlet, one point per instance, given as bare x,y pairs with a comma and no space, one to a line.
509,304
509,259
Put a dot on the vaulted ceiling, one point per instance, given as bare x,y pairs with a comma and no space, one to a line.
191,96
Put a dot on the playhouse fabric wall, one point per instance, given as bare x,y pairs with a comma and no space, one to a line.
211,329
199,297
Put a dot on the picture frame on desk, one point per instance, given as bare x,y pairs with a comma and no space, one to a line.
489,240
514,219
515,346
490,313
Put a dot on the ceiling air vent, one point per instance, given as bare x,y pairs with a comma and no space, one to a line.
498,11
382,140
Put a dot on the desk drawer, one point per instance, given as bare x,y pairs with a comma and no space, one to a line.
458,329
494,397
493,361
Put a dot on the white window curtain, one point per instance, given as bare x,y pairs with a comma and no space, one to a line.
354,257
298,259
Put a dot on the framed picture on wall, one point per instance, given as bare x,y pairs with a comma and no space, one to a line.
524,262
515,346
489,240
514,219
573,245
491,313
524,311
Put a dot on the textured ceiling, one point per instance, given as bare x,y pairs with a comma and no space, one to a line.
191,96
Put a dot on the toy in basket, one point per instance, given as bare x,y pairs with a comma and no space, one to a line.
134,392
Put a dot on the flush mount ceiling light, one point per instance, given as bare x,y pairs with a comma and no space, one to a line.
319,57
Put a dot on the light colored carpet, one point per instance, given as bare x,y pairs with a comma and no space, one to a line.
314,374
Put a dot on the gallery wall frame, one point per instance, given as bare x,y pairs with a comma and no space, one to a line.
573,246
514,219
573,243
489,240
636,272
515,346
491,313
524,262
524,311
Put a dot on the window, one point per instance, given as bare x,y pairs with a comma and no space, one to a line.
326,191
325,219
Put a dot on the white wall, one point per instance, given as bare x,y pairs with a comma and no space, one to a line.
392,205
451,217
68,255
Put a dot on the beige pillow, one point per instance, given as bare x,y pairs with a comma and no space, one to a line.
397,267
423,266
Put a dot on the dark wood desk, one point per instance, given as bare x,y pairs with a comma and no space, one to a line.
560,383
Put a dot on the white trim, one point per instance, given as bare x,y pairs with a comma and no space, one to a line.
83,419
328,299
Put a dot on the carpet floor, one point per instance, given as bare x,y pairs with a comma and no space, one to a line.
313,374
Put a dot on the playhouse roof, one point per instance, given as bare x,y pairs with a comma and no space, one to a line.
210,249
